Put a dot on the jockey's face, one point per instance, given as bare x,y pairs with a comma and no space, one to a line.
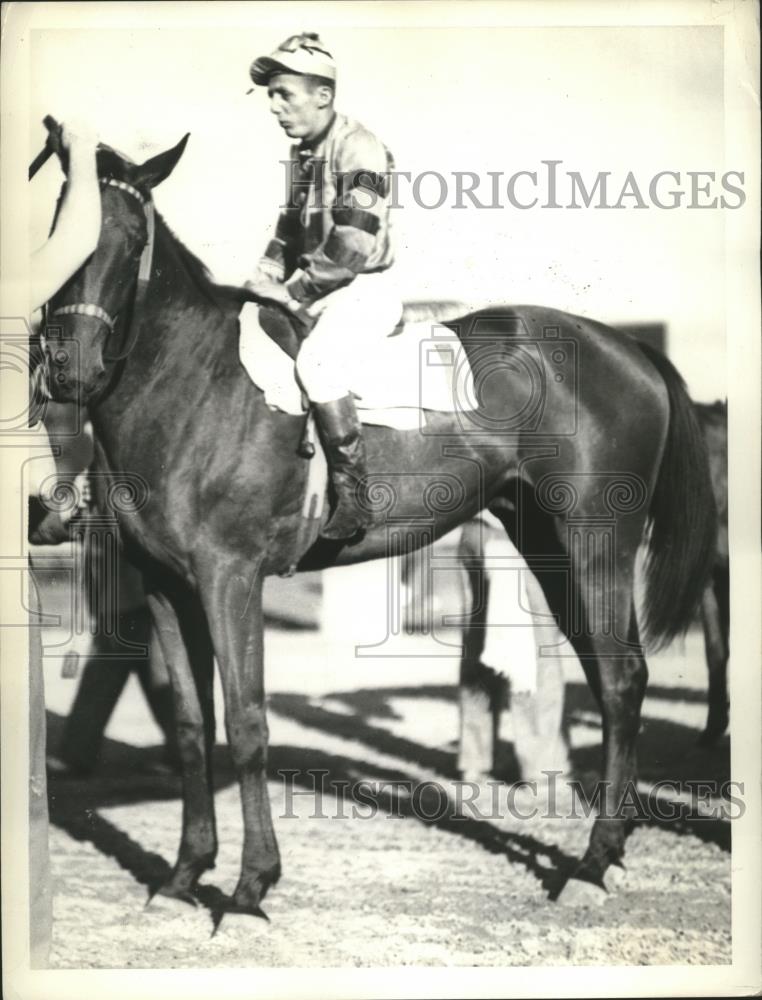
301,106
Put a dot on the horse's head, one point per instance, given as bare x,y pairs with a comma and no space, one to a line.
82,315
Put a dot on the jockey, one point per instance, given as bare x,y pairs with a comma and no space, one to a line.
330,258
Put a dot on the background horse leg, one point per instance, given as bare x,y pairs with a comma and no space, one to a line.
715,619
184,638
232,595
481,692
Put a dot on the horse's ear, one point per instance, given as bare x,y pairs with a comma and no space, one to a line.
151,173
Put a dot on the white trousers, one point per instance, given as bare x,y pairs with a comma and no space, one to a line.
351,321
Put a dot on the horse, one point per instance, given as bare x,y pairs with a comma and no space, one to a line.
592,437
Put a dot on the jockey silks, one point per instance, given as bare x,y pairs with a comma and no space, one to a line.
335,221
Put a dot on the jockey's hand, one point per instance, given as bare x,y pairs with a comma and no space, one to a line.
267,290
84,492
83,498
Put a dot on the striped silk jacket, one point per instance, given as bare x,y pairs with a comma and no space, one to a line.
335,224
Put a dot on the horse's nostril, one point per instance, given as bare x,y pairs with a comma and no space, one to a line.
61,357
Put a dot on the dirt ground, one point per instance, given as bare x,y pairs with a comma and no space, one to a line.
392,888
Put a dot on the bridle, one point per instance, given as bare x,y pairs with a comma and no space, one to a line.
144,275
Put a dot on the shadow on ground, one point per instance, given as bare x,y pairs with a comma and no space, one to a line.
667,751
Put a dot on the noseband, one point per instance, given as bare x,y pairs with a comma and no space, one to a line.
144,275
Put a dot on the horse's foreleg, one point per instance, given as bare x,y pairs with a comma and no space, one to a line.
182,633
232,594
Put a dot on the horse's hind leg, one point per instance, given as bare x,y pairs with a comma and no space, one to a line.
184,637
606,640
232,595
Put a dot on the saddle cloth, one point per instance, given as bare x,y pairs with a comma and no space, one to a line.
424,367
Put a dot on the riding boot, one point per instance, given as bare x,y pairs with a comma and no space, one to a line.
341,433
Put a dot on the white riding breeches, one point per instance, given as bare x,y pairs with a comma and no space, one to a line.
350,321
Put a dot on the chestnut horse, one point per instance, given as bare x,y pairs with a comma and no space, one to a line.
592,437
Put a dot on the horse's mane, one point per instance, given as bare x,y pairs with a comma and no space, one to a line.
198,272
195,268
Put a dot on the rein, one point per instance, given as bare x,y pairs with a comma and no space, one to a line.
144,275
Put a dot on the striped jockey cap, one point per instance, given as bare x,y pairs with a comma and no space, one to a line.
303,54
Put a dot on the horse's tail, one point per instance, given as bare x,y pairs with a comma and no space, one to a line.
682,519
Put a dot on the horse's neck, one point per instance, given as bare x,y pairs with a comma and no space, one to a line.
179,306
184,326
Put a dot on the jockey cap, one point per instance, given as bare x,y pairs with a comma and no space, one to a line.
303,54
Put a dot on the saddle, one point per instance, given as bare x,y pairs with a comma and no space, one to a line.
421,366
288,332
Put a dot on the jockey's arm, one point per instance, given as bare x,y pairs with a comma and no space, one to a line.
362,205
272,264
78,225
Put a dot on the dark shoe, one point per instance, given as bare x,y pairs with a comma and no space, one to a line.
341,432
59,768
167,767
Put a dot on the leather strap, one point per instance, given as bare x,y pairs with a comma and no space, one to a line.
144,276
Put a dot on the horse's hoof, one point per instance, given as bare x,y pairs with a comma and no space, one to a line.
237,912
577,892
175,902
249,894
234,918
615,878
235,924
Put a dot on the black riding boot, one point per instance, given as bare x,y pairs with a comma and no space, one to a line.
341,433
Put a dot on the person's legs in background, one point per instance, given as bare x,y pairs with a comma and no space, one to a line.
103,680
131,646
